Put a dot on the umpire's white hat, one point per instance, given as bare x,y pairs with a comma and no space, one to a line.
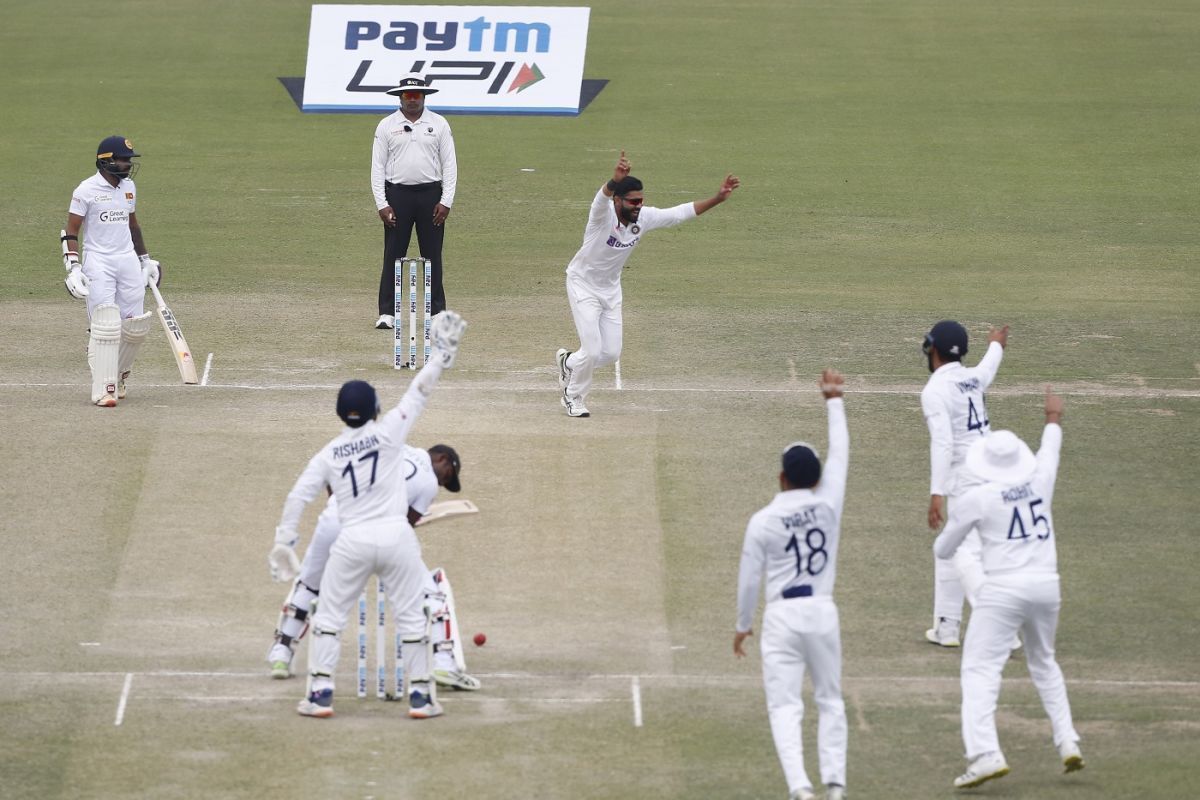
412,82
1001,457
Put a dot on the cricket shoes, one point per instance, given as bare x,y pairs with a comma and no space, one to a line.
318,704
454,679
422,706
802,794
983,769
574,406
107,400
280,659
945,633
1072,758
385,322
564,372
835,791
121,385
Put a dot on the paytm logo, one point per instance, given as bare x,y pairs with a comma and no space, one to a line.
404,35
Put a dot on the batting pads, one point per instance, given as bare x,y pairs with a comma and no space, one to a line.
133,333
103,352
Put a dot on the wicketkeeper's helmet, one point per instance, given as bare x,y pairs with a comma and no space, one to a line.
113,148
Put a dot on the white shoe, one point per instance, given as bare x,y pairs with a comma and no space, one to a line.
564,372
802,794
280,659
1072,758
574,406
107,401
982,770
318,704
835,791
945,633
422,706
385,322
121,386
456,680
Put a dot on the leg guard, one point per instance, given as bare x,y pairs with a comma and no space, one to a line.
292,625
103,352
133,333
445,634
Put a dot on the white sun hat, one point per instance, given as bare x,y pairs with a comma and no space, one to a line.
1002,458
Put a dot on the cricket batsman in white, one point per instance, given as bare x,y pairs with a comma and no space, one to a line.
794,540
115,270
364,468
1011,509
615,225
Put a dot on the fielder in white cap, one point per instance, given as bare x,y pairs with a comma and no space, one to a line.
794,541
1012,512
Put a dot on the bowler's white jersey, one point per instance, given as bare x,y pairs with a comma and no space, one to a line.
794,539
105,210
607,245
956,413
365,467
1014,522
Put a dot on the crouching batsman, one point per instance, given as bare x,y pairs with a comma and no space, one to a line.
364,469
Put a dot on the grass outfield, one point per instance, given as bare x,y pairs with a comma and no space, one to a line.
1030,163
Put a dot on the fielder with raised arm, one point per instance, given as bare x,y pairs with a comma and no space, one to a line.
364,468
115,270
956,414
615,225
1011,510
425,471
794,540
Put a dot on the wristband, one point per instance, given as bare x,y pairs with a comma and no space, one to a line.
70,237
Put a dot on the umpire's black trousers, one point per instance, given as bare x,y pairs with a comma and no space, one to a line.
414,206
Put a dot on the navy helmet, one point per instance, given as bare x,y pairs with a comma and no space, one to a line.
112,149
948,338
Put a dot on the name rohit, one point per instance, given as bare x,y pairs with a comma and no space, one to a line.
351,449
1017,493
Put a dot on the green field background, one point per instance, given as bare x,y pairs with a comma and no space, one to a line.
1028,163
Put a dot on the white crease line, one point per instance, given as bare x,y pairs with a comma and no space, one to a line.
627,676
636,688
207,367
124,699
618,379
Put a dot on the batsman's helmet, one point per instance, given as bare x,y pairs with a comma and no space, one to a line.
357,403
113,148
948,338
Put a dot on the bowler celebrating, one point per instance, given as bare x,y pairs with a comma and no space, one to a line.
615,225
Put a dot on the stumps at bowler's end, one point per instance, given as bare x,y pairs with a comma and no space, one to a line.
405,354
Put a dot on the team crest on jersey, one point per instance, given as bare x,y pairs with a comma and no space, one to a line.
635,228
129,195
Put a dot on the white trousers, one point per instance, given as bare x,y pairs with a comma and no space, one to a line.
389,549
115,279
600,328
797,633
312,571
959,577
1008,603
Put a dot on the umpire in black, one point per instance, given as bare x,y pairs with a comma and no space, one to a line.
414,173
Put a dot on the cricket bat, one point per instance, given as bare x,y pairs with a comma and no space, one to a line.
179,345
447,508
